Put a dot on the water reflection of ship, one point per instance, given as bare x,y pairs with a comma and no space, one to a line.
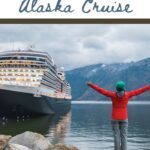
57,132
43,124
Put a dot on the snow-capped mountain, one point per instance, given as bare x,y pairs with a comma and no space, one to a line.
134,74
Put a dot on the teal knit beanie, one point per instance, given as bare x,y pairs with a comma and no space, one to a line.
120,86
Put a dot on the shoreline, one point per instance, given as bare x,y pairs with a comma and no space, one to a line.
30,141
109,102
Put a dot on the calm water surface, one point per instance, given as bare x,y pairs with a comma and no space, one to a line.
87,126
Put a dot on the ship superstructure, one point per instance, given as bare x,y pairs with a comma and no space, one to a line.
35,73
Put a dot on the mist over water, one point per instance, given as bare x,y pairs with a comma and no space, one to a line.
87,126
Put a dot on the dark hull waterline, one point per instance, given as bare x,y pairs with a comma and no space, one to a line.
12,102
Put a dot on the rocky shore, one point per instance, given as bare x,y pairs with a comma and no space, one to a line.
30,141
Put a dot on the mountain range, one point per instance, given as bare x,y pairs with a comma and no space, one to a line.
134,74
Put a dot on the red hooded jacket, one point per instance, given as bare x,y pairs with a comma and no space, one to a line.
119,104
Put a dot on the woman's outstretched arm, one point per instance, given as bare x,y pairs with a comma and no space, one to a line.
100,90
139,91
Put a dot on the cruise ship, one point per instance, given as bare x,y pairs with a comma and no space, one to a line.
31,83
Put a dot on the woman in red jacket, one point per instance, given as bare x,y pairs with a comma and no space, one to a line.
119,100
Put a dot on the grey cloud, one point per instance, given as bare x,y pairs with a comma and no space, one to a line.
130,33
94,43
73,46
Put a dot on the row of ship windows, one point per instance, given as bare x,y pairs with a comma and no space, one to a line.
20,84
50,85
21,62
51,70
20,70
61,88
21,75
22,65
20,80
22,58
57,81
54,81
49,81
50,75
52,78
33,75
45,85
27,58
51,66
28,70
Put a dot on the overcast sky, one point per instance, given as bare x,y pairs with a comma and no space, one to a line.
73,46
